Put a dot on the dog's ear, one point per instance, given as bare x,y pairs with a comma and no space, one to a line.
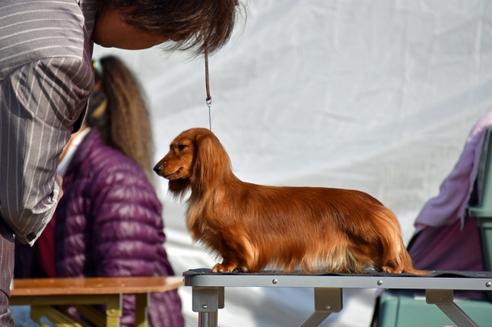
211,162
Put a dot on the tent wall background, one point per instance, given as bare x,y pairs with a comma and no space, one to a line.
376,95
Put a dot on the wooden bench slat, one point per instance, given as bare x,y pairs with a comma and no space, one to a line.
94,285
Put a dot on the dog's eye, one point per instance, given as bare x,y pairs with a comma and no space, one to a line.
182,147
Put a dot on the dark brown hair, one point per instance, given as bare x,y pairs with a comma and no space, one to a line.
124,123
200,24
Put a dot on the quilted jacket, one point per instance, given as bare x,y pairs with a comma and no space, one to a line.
109,223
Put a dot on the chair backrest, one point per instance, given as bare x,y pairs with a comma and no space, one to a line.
484,180
483,211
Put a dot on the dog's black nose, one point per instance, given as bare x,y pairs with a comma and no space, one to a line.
157,168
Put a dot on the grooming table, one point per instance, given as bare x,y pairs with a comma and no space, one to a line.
208,289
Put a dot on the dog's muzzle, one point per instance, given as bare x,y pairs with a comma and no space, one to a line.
157,168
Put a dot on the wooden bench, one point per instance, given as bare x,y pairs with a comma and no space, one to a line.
83,293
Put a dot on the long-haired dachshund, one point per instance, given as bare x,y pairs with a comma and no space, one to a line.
252,226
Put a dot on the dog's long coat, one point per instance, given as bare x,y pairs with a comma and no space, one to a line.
252,226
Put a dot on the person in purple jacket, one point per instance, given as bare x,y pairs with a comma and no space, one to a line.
109,221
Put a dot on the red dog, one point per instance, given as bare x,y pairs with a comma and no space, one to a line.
252,226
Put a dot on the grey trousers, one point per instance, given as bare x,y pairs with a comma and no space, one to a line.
7,248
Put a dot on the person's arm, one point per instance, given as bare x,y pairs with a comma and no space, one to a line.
38,104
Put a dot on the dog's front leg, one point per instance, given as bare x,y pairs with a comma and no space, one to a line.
227,265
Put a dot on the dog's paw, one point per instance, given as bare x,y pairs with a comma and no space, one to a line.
225,267
389,269
241,270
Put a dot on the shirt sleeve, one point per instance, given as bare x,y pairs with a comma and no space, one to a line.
39,103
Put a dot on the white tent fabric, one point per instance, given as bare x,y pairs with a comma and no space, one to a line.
376,95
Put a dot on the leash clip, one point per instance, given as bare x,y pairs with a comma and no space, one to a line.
208,100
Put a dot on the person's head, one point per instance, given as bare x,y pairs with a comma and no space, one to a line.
139,24
117,109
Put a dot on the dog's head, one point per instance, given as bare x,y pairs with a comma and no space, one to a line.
195,156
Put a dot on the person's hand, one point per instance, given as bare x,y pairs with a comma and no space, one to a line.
59,182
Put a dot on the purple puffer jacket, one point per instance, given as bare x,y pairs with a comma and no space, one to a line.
109,223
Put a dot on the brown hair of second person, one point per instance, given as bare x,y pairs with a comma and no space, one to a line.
118,110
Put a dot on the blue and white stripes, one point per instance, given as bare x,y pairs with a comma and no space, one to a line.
45,79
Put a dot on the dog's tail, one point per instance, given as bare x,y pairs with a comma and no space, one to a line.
395,258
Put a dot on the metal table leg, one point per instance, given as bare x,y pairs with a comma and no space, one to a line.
326,301
444,300
207,301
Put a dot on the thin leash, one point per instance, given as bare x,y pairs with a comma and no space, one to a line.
208,100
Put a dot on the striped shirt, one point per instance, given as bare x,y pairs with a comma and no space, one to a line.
45,79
